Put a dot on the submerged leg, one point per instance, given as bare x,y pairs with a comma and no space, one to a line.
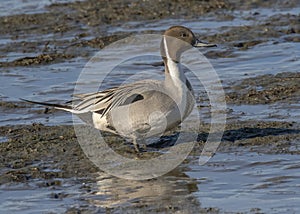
136,145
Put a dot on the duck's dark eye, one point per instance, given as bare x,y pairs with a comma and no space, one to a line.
183,35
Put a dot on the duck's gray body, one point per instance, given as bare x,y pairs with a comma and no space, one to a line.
143,108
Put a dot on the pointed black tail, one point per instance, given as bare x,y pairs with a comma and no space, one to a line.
58,106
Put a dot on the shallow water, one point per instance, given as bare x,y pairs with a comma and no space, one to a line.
55,82
34,199
236,181
15,7
272,112
240,181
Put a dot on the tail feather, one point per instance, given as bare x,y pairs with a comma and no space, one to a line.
57,106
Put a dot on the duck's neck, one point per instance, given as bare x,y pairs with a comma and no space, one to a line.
173,71
175,80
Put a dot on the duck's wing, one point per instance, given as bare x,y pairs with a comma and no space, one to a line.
104,101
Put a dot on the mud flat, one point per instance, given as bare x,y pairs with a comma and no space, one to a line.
262,130
50,156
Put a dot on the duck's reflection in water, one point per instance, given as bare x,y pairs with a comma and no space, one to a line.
170,193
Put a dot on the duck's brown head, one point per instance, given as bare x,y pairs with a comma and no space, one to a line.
178,39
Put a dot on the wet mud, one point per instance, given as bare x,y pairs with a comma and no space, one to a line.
29,149
46,155
266,89
82,26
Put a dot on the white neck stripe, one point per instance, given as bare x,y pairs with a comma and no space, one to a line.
166,48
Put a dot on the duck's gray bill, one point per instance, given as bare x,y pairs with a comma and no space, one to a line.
204,44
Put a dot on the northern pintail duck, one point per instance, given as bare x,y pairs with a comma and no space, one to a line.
144,108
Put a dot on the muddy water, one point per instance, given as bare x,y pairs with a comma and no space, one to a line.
14,7
256,168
